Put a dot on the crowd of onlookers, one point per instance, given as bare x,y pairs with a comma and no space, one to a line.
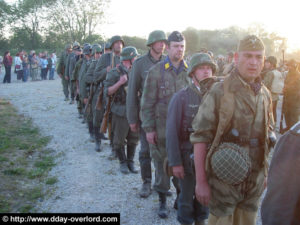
35,66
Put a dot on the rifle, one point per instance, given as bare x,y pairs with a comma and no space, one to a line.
99,99
105,119
87,108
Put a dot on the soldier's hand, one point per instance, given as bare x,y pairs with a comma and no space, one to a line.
123,79
152,137
85,100
66,77
134,127
108,69
178,171
202,192
60,75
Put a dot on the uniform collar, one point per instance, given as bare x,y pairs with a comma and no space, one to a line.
238,82
169,66
152,59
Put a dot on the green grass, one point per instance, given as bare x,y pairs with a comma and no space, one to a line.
24,162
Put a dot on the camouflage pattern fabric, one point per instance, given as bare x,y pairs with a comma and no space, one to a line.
252,118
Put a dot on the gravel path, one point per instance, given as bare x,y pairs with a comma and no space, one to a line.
87,181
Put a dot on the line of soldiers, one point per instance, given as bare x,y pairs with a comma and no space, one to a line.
211,135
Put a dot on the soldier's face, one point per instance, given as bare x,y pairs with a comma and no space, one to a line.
202,72
158,47
117,47
250,64
97,55
176,50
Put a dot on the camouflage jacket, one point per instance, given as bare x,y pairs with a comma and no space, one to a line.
102,64
119,97
252,116
160,85
136,83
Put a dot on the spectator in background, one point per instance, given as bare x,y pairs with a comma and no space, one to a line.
18,66
44,64
29,61
34,67
25,65
7,61
52,66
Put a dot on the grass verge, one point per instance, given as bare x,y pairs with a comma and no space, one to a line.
24,162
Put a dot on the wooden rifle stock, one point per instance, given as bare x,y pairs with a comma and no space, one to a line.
99,99
105,119
87,108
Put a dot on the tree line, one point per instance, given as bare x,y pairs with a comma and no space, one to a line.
50,24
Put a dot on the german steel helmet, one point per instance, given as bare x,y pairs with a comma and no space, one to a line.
231,163
201,59
87,49
128,53
157,35
68,46
96,49
114,39
76,45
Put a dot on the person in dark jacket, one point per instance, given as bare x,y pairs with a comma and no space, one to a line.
181,112
281,204
7,61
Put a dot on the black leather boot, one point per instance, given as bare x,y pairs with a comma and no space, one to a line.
130,156
97,139
123,162
91,131
163,211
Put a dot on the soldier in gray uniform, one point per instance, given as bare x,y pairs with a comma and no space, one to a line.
163,80
106,63
156,42
115,85
70,65
61,70
84,88
181,112
98,87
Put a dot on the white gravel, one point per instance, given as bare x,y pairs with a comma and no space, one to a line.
87,181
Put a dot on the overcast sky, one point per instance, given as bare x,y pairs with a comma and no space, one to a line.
139,17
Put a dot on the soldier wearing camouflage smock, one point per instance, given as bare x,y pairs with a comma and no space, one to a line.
115,86
181,111
98,87
235,119
156,42
70,65
61,70
291,92
163,80
106,63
